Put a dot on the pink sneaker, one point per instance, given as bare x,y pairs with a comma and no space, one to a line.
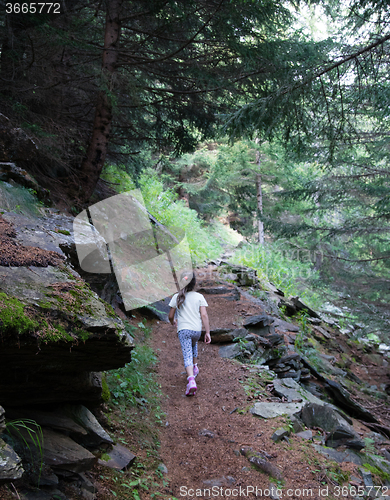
191,387
196,370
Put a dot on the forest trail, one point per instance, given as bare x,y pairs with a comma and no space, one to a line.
202,436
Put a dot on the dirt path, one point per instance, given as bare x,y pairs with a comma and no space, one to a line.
203,434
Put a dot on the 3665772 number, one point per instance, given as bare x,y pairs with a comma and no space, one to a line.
33,8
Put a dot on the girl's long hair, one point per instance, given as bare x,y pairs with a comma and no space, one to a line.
183,292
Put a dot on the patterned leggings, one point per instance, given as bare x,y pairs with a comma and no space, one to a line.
189,345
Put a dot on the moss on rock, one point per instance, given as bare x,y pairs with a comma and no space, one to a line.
13,317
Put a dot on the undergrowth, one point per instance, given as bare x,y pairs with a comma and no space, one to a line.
288,271
206,241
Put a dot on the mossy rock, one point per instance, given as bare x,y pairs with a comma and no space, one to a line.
52,304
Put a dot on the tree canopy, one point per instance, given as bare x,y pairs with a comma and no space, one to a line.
117,80
108,78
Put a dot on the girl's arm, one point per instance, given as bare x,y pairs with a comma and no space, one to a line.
171,316
206,324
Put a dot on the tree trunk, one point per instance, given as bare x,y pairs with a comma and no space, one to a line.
13,48
259,204
93,162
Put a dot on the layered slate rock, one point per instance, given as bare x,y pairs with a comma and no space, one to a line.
56,450
295,304
56,420
56,333
295,395
288,367
284,326
257,322
62,454
237,350
339,456
293,392
95,435
340,432
222,335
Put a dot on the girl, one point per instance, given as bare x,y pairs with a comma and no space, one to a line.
190,309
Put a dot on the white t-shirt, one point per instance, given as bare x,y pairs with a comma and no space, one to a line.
188,315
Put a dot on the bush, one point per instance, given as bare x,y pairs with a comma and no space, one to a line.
166,208
278,266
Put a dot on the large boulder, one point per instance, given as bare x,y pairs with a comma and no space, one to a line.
340,432
61,334
55,331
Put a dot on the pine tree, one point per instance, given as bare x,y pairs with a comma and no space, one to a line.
170,72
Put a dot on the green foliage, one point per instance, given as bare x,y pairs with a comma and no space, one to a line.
220,179
337,475
106,395
276,264
163,204
55,333
219,54
253,388
136,482
29,434
17,318
343,216
134,382
118,178
369,445
376,471
18,199
136,402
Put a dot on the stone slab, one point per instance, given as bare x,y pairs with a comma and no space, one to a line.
292,391
258,321
230,351
272,410
339,456
119,458
284,326
305,434
96,435
223,335
60,452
